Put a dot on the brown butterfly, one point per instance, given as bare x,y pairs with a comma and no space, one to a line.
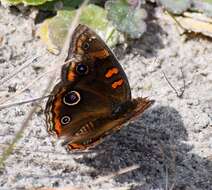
93,98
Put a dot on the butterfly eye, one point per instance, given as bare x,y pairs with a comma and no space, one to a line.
72,98
65,120
82,69
85,46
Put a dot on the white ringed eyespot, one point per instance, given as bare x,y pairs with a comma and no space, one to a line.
65,120
71,98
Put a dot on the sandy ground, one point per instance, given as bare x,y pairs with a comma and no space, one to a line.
171,142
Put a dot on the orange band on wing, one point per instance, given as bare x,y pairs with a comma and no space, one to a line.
80,41
111,72
56,110
57,127
100,54
75,146
57,118
71,75
118,83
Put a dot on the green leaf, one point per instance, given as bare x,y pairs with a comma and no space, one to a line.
61,4
10,2
53,31
126,18
26,2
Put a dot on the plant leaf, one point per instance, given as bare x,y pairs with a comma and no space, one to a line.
126,17
53,31
25,2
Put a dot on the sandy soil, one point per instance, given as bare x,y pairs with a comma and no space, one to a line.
171,142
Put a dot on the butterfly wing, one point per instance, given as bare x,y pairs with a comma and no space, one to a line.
72,106
94,98
86,42
90,61
91,119
93,132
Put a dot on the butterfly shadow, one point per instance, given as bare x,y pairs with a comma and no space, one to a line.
156,144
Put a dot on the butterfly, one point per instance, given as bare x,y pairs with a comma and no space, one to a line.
93,98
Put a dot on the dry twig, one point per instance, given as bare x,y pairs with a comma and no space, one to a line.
16,71
178,94
23,102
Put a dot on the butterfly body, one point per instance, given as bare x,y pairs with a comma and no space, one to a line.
93,98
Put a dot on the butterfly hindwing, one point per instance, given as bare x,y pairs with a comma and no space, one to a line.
102,127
